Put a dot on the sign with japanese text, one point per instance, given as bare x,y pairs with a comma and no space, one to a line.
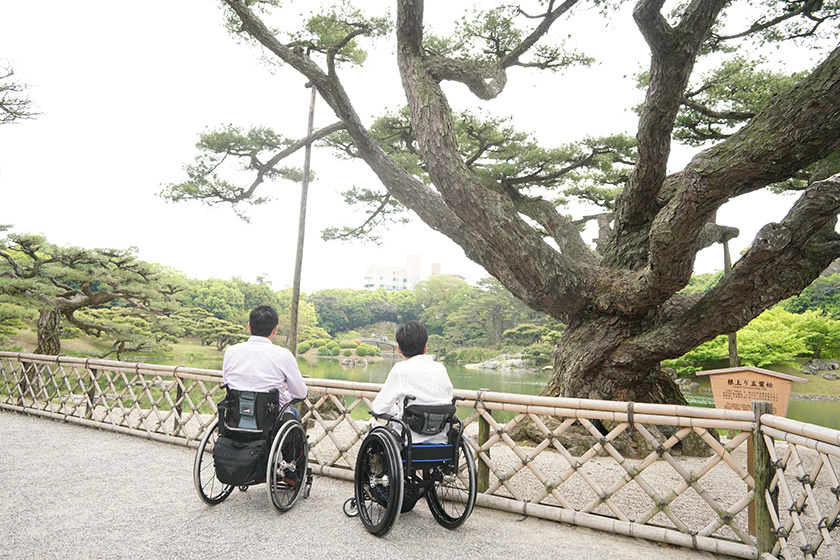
737,388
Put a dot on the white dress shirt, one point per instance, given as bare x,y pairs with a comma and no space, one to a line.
258,365
422,377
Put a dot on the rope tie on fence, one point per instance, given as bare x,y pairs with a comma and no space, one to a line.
807,549
479,398
781,532
797,508
693,534
778,464
58,359
836,491
804,479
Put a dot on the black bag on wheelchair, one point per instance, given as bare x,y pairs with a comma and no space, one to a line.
428,420
247,421
240,463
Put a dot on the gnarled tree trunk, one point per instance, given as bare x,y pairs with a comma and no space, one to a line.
49,329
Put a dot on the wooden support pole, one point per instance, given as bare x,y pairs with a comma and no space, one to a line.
761,524
483,435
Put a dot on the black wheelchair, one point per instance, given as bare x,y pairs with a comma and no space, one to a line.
254,440
392,474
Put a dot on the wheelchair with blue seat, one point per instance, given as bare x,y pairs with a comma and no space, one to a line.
392,473
253,440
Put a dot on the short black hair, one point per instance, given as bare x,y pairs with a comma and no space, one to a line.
412,338
263,319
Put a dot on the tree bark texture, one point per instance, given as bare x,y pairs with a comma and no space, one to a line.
622,306
49,341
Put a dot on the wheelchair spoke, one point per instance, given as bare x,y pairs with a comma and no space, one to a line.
209,489
287,466
451,497
378,482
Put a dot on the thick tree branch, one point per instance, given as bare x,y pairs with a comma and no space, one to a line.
674,51
782,261
542,277
793,130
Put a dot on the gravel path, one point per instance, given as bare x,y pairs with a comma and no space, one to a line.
72,492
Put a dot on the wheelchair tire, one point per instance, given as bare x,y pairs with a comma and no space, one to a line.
287,466
209,489
451,497
378,481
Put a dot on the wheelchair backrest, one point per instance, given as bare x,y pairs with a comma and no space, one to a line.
249,411
428,419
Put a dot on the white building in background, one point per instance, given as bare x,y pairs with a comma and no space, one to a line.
393,278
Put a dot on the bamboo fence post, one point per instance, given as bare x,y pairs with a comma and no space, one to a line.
761,524
23,384
91,392
179,398
483,435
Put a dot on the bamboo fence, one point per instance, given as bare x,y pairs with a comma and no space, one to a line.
773,496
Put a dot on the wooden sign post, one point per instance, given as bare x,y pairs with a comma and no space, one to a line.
737,388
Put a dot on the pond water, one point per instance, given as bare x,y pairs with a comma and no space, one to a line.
823,413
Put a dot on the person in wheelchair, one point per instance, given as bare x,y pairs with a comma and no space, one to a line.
258,436
416,446
421,383
418,376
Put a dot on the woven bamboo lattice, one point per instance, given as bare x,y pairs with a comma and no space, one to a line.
568,470
805,487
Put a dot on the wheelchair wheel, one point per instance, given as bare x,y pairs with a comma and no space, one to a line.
287,466
451,497
209,489
379,482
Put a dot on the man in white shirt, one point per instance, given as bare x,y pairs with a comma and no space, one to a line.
258,365
418,375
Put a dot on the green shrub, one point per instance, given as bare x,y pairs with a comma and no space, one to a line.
348,344
335,351
303,347
362,350
475,355
348,352
324,351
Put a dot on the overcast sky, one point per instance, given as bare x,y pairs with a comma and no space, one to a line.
125,88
